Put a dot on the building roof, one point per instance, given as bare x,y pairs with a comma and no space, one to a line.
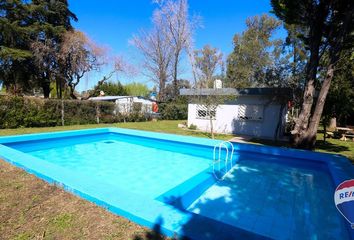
238,92
113,98
108,98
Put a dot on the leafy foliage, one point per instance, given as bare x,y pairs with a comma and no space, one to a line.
255,53
110,89
207,60
173,111
340,99
137,89
23,22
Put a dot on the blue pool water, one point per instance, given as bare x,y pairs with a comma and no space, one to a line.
167,179
275,200
131,165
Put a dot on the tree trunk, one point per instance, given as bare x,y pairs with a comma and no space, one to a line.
175,82
46,89
72,90
161,95
98,113
310,136
62,113
277,130
301,123
211,127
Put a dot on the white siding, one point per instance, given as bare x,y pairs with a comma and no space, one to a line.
228,121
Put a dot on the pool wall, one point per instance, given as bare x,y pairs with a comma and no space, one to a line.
168,210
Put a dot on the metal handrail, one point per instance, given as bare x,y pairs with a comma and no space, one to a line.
226,145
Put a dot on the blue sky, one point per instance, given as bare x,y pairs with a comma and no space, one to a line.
113,22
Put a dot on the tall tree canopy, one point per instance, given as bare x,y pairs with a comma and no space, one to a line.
21,23
328,26
255,52
137,89
207,60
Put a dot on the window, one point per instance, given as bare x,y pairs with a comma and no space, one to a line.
250,112
204,113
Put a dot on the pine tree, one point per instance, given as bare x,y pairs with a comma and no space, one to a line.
21,24
329,27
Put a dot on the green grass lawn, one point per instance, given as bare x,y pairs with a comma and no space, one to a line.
330,146
159,126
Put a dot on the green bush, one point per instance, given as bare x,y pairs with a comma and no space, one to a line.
172,111
34,112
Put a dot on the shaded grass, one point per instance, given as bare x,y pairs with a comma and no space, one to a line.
334,146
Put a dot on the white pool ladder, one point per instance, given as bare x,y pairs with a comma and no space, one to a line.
217,161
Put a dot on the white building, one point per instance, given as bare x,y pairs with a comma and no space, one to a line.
125,103
257,112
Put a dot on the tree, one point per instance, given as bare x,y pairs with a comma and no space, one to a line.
207,60
253,52
178,28
340,99
109,89
45,56
170,89
296,54
137,89
23,22
157,53
78,56
328,25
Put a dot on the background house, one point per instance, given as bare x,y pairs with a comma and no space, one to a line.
125,104
257,112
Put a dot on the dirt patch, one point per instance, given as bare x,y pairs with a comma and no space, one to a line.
33,209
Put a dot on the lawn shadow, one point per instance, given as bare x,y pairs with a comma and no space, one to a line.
155,233
330,147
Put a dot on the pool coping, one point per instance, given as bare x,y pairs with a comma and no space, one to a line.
151,211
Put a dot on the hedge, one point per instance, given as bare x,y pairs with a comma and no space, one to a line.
35,112
173,111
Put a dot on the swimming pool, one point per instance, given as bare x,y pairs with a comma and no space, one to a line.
164,179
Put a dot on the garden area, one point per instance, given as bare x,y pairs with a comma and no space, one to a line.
284,78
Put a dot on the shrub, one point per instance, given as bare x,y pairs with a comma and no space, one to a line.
172,111
192,127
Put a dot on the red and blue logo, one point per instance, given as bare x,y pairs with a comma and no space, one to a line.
344,200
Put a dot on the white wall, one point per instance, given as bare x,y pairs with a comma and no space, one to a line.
124,105
227,120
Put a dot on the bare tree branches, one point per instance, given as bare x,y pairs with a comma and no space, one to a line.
157,52
79,55
163,46
179,28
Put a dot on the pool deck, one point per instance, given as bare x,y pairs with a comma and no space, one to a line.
152,212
